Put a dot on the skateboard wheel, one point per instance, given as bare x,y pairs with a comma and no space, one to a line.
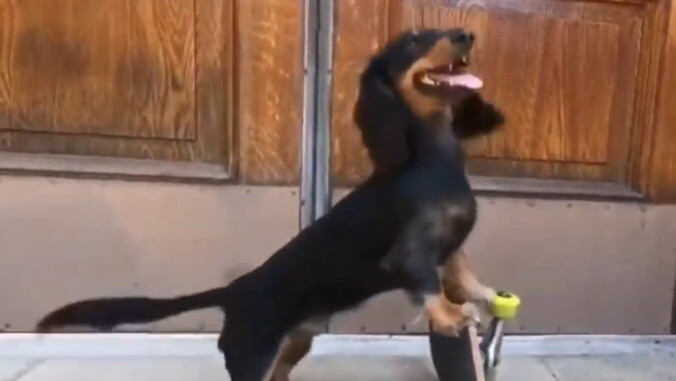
506,305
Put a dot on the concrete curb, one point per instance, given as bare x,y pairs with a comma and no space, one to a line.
199,345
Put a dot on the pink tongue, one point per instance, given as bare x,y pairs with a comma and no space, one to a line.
465,80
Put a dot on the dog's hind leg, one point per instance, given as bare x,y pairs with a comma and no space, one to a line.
295,348
297,345
249,349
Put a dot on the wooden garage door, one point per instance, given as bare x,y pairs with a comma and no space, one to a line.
210,81
577,80
565,73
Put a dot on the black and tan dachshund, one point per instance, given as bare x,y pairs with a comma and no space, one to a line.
394,231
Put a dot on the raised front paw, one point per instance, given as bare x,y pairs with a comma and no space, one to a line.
449,319
471,314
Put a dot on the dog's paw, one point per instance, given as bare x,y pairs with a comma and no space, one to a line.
451,329
485,302
450,319
471,313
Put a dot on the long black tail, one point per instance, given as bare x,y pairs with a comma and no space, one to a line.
106,313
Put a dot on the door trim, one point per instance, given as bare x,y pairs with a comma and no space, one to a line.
315,186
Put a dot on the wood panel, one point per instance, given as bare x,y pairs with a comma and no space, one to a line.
163,67
132,78
355,41
5,91
271,89
218,81
547,66
214,82
108,67
566,79
657,170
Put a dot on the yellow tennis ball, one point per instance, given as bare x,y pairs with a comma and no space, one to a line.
506,305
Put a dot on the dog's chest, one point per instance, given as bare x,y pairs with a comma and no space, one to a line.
451,221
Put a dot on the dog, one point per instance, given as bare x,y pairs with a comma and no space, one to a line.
393,231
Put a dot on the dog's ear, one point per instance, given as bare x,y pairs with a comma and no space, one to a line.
380,117
475,117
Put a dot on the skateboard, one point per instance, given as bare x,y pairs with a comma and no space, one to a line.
466,358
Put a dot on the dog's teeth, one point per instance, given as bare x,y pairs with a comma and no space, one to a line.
464,60
426,80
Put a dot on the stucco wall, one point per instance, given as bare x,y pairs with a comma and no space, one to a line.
580,267
62,240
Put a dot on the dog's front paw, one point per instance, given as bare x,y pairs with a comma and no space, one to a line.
449,319
446,328
486,300
471,313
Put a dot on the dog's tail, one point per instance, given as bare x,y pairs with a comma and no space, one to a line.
106,313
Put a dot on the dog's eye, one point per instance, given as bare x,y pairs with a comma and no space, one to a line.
413,39
413,42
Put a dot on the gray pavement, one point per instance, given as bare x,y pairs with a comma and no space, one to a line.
138,358
659,366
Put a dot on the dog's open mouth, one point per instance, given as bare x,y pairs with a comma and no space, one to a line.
448,76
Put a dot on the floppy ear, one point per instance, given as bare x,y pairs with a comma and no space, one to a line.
382,120
475,117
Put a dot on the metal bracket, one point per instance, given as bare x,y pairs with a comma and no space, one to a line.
316,191
315,187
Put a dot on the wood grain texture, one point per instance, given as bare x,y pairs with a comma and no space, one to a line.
211,144
6,22
155,80
105,67
72,144
564,73
536,169
355,41
658,169
270,96
147,80
5,87
162,68
540,69
214,39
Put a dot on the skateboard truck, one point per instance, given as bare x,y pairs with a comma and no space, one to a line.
464,358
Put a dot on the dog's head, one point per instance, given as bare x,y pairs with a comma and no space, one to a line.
420,76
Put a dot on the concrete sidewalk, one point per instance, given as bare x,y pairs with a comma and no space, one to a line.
396,360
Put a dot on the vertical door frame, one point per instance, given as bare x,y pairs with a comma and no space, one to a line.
315,185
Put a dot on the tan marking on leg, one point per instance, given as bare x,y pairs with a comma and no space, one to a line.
296,346
449,318
461,284
269,373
